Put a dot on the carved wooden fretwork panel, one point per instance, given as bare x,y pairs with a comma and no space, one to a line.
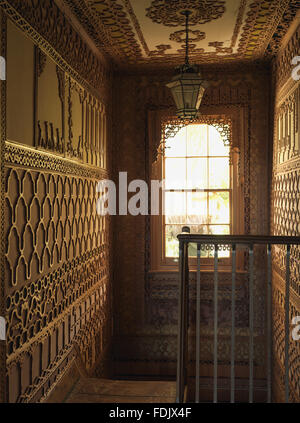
73,123
285,221
56,272
171,125
162,314
50,219
288,133
285,214
279,345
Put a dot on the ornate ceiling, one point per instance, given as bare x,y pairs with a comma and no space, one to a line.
151,32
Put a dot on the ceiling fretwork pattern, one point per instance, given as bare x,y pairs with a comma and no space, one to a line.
169,12
136,33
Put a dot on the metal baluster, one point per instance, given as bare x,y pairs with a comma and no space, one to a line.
180,338
269,326
233,323
287,323
251,328
186,316
198,326
216,324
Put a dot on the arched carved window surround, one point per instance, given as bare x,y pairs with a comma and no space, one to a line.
171,126
163,124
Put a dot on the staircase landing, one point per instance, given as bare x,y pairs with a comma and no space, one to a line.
93,390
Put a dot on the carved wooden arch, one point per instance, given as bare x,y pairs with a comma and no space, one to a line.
171,126
163,124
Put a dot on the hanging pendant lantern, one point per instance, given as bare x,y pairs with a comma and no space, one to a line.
187,86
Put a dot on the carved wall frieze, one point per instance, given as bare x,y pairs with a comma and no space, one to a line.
24,156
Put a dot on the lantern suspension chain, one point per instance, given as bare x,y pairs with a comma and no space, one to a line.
186,13
187,86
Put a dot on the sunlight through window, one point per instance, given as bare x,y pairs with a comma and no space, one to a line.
196,170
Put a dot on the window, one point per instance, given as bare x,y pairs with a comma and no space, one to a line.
200,192
197,191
